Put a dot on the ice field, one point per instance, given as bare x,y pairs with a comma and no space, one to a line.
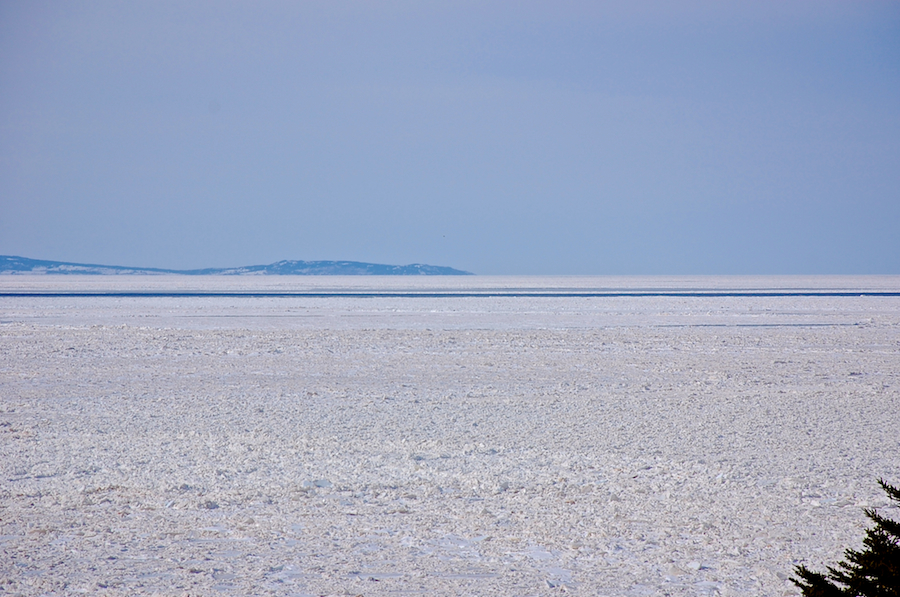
440,436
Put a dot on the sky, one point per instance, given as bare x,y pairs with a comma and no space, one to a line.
550,138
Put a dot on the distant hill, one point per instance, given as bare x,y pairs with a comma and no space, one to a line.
21,265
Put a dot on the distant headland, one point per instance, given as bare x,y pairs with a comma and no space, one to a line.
21,265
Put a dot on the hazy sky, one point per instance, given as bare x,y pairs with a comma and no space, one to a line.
498,137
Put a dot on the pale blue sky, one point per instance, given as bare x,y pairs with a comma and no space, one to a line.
497,137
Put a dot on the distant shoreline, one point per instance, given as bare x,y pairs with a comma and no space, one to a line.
15,265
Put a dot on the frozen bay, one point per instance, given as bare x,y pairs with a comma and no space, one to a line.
474,435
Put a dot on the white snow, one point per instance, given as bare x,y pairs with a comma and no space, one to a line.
461,445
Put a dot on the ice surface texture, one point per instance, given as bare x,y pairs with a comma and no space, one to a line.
517,446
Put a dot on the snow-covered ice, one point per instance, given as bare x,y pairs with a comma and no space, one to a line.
512,445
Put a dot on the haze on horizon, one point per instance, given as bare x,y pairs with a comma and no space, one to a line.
638,137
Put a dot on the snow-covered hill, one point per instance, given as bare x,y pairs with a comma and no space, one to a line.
21,265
